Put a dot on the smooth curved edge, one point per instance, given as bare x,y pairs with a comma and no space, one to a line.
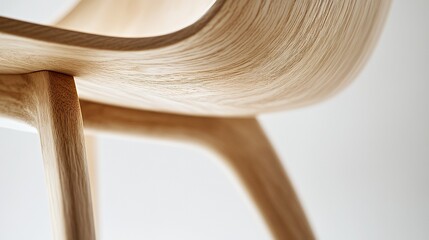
360,64
94,41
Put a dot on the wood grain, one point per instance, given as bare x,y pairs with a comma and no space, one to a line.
48,101
133,18
241,58
92,160
240,142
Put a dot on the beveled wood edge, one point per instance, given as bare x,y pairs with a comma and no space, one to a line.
80,39
218,71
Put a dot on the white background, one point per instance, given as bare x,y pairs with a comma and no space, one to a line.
359,161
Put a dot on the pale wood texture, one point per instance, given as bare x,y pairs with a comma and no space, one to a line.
49,102
133,18
239,141
92,160
241,58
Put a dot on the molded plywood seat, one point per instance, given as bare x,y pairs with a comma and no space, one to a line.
134,18
240,58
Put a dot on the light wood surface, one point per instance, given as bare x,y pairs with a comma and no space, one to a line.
240,142
49,102
241,58
92,163
133,18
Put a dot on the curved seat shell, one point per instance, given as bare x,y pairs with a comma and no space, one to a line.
241,58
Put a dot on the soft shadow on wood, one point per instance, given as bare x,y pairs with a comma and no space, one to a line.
49,102
240,142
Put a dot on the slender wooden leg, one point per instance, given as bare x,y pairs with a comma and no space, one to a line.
240,142
52,108
91,152
59,122
49,102
246,149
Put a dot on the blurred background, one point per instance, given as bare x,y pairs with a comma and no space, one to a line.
359,161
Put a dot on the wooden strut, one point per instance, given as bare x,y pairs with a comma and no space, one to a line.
241,142
49,102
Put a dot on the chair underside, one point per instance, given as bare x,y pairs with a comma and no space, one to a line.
238,59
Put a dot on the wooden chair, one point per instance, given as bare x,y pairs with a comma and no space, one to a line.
203,83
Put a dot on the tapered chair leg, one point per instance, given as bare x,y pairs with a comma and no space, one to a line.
245,148
91,153
59,123
240,142
49,102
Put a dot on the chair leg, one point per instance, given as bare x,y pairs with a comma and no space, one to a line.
239,141
91,153
49,102
245,148
59,122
